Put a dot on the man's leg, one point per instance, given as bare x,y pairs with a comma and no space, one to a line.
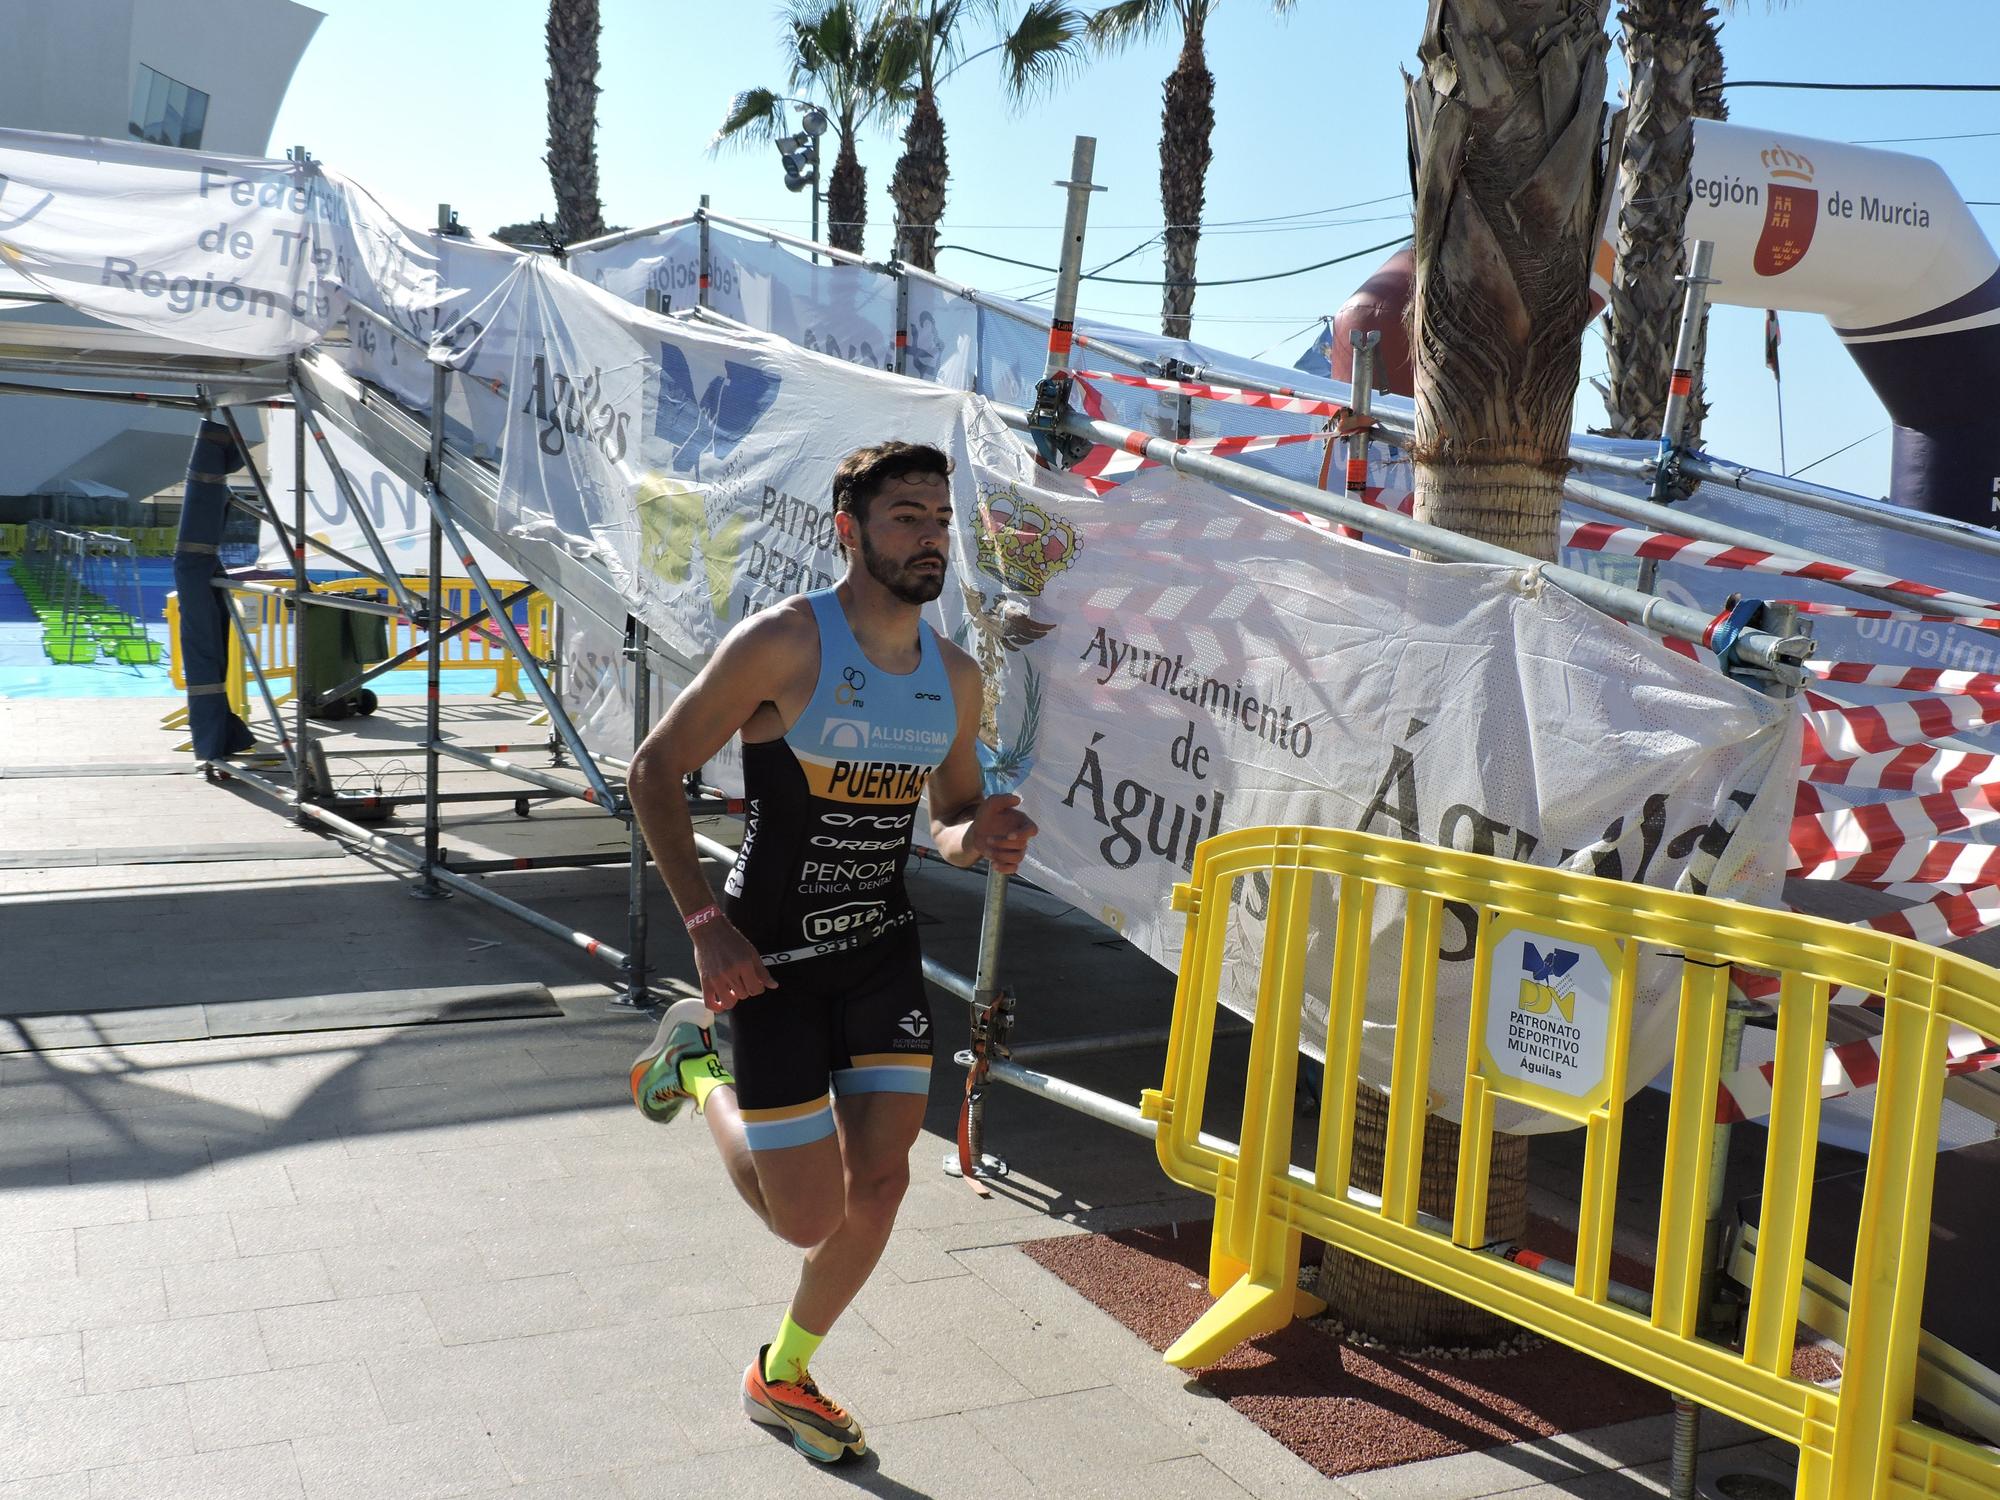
876,1134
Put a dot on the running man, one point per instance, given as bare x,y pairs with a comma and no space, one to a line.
851,710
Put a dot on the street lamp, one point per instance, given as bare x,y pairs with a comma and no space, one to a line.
800,154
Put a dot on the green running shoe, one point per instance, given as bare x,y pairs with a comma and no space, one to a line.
656,1075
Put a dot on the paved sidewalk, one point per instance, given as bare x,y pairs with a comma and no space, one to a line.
419,1262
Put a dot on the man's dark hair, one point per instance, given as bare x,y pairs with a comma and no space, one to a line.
861,475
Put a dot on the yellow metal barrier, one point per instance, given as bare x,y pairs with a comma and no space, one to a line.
1553,946
268,622
12,540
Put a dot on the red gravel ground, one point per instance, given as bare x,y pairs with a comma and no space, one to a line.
1345,1410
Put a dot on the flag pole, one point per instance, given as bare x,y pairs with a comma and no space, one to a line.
1771,340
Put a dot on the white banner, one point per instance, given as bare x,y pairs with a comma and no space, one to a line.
1177,663
697,465
394,506
223,252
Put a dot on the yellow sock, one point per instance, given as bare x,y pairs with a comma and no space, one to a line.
790,1351
702,1076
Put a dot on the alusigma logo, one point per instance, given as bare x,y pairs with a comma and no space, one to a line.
916,1023
836,921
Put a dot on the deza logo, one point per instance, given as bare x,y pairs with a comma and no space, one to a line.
840,921
568,407
1791,211
1543,981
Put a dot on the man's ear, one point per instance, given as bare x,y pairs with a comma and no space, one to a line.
846,530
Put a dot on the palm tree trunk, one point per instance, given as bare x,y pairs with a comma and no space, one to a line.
1662,42
1709,104
572,159
846,199
1506,123
1186,122
918,188
1505,127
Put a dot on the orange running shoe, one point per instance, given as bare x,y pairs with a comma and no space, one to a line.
820,1429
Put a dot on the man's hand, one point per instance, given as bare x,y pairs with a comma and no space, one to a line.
729,966
1000,832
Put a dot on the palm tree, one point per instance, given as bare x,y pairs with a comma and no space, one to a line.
1040,47
572,159
1674,56
838,49
1186,121
1506,119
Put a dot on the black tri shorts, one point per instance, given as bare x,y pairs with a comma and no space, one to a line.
852,1022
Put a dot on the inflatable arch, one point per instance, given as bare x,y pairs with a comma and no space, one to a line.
1877,242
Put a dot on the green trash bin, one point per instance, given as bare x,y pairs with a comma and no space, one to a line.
339,644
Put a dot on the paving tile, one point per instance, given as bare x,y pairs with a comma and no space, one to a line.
420,1461
89,1432
915,1255
327,1174
104,1248
908,1382
39,1368
317,1332
40,1255
579,1487
399,1261
479,1166
1079,1439
48,1487
27,1210
946,1456
248,1282
228,1188
278,1405
304,1226
261,1473
172,1351
28,1308
664,1288
543,1244
511,1309
555,1438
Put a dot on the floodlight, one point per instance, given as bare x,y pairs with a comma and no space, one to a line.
815,122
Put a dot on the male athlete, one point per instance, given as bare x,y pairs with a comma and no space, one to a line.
851,709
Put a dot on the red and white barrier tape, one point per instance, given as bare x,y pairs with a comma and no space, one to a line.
1842,731
1854,612
1746,1093
1928,768
1289,400
1820,835
1630,541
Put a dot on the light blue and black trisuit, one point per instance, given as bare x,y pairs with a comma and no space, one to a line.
818,888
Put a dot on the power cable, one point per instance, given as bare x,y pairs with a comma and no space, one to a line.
1894,140
1837,452
1230,281
1288,338
1885,88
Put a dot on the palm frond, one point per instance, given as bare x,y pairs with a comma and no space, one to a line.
1130,21
1045,49
753,116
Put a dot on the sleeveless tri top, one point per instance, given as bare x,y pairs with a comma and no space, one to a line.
830,805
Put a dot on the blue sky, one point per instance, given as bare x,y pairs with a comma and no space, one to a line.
443,101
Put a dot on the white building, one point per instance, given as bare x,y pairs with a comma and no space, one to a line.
194,73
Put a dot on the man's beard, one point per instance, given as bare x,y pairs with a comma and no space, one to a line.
905,582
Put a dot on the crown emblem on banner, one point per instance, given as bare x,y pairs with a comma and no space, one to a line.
1782,163
1021,544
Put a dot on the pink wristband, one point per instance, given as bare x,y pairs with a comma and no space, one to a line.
695,919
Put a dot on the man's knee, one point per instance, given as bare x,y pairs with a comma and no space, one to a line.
875,1189
806,1222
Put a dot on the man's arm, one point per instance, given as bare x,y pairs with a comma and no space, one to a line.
967,825
747,670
